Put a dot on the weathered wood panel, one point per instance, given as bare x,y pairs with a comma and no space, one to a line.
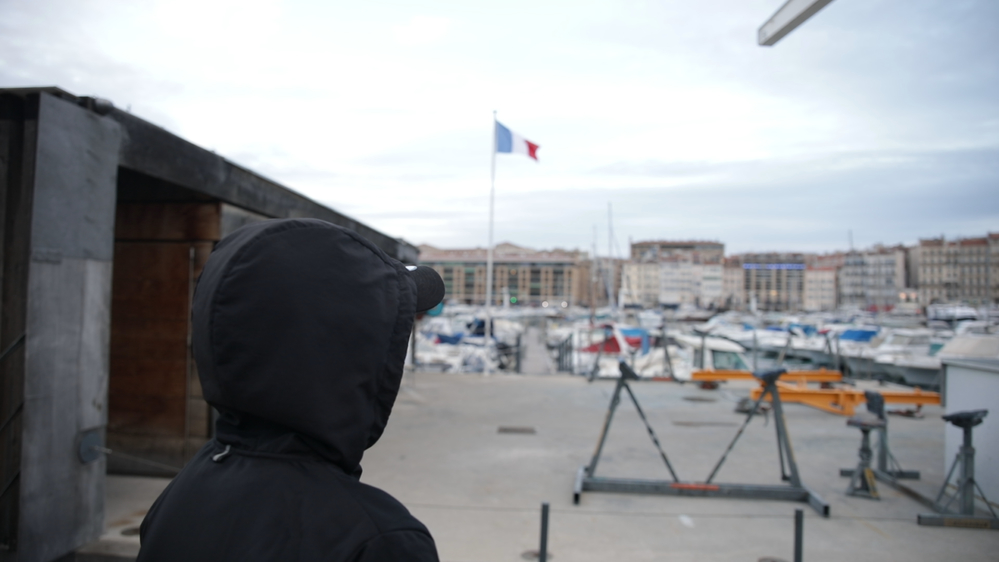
167,221
149,325
157,411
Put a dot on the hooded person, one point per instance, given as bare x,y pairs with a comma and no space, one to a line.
300,331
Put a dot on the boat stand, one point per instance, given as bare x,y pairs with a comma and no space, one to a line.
888,469
862,478
966,484
588,481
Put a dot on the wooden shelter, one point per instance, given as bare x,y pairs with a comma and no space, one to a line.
106,222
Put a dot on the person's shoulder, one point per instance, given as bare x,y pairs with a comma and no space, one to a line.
384,511
399,546
399,535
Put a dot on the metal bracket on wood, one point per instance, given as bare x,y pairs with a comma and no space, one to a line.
587,480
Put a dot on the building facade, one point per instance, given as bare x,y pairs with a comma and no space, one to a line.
733,285
677,283
962,270
874,278
671,273
694,251
773,281
640,284
820,292
709,285
521,276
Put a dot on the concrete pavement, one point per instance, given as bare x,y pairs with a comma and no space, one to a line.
479,490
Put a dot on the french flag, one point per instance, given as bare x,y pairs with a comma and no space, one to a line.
509,141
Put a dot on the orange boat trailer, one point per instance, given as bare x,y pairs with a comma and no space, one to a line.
793,387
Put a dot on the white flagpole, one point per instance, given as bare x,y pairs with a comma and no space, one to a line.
489,256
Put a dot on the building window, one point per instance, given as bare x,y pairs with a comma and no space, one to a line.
558,282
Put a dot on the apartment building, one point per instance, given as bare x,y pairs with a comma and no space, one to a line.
672,273
962,270
733,285
776,281
640,284
820,291
694,251
521,276
873,278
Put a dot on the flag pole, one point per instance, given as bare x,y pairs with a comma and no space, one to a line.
489,257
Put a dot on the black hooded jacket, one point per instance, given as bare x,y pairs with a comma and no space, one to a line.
300,331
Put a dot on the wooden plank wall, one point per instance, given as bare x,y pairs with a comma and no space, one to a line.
156,410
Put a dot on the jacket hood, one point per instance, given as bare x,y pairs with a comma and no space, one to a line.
305,325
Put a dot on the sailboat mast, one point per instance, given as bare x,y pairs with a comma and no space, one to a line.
609,275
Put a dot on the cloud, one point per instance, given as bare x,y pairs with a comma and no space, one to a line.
421,30
810,208
872,117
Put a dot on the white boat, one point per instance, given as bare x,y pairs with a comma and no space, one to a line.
951,313
926,371
975,327
455,343
921,371
855,348
648,358
899,345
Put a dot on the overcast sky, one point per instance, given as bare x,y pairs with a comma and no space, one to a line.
876,116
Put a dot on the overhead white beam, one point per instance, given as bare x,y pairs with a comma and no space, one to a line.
792,14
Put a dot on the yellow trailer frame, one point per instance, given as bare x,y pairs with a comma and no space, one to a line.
794,388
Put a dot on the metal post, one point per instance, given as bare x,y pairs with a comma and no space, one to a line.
704,338
610,261
652,434
519,353
780,457
799,532
966,486
783,352
738,434
839,355
754,350
615,400
883,449
600,351
782,435
543,551
488,332
669,361
829,349
943,489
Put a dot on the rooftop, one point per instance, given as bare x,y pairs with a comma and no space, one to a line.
679,243
503,252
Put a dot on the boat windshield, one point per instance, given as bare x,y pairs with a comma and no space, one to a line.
728,360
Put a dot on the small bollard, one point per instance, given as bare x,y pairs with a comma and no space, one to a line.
543,551
799,524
